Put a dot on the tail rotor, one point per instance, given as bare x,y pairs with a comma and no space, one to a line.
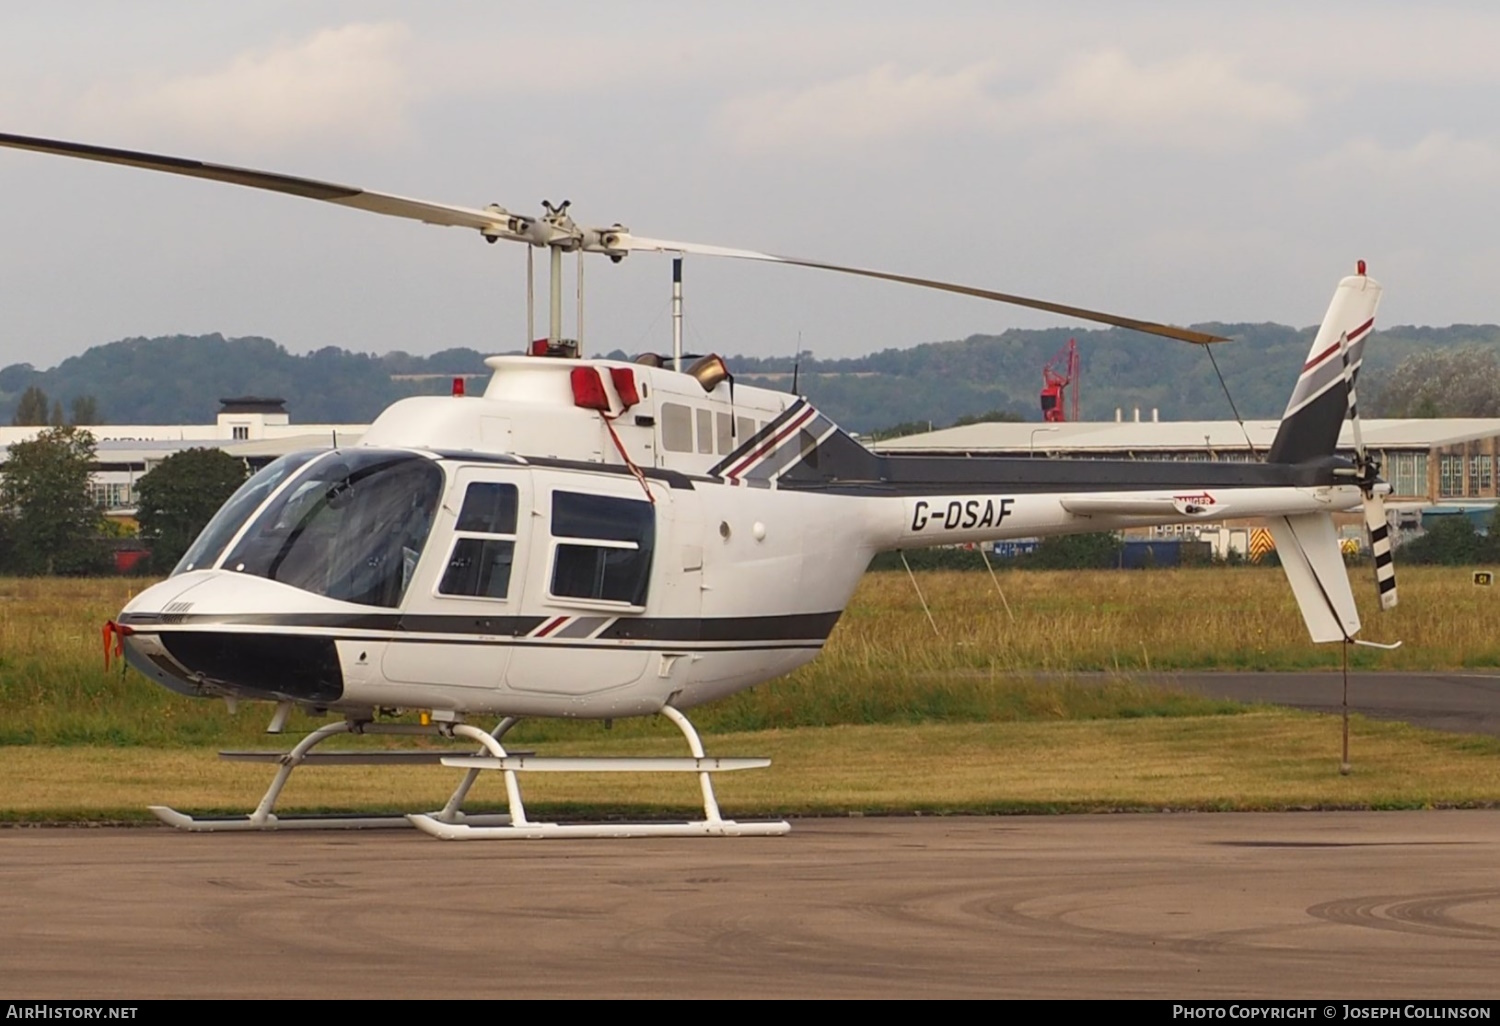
1367,476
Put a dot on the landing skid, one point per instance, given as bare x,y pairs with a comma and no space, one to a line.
265,818
451,822
711,825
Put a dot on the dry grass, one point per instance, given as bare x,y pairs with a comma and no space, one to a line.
883,664
1261,760
1001,726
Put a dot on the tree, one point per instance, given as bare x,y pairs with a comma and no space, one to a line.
54,524
1455,383
1452,541
1099,551
33,409
992,417
85,410
906,427
179,496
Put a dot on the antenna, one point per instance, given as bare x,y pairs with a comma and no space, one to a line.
677,313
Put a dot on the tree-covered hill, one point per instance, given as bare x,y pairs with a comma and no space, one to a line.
941,381
180,379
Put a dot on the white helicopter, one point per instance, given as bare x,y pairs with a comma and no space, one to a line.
600,539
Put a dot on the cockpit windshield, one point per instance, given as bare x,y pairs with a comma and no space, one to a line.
351,527
233,514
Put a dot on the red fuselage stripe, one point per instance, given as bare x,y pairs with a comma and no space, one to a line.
1325,354
771,443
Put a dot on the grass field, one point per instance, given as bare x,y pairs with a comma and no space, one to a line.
1260,760
883,664
982,716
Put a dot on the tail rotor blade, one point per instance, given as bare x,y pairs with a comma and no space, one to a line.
1376,526
1380,545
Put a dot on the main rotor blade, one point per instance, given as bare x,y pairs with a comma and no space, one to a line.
497,222
630,242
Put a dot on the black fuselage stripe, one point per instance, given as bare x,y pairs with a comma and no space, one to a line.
686,630
529,643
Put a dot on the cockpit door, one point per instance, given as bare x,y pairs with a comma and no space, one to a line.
463,608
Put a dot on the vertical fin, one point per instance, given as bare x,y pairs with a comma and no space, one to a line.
1308,547
1320,402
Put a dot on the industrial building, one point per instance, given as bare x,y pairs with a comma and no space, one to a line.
252,428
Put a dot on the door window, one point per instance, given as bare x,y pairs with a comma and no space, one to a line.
604,547
484,544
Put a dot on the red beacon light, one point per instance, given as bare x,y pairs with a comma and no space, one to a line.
458,388
1359,268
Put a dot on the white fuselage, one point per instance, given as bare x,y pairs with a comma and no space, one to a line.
549,575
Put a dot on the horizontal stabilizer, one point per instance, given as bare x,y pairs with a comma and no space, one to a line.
1308,547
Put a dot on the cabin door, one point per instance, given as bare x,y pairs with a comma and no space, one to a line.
589,584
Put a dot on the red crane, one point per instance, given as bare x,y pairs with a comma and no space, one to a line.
1058,403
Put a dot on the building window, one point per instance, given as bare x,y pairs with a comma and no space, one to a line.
1450,476
110,495
241,432
1480,480
1401,471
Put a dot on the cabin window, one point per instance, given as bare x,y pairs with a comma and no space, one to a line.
676,427
233,514
351,527
484,547
705,431
746,427
725,433
607,554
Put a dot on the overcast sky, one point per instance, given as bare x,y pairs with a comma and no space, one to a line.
1176,161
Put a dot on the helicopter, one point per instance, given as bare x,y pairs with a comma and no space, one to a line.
597,538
